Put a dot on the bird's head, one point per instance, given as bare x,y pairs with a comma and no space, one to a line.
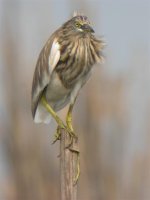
80,24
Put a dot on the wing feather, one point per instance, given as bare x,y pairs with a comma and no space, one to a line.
46,63
54,55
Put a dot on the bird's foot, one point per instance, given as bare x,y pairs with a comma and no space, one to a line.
68,131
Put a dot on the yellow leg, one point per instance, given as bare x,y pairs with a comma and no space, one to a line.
69,117
69,125
69,120
52,112
58,120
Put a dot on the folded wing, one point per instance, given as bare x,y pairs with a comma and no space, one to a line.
46,63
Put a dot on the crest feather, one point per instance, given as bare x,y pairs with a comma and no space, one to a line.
77,13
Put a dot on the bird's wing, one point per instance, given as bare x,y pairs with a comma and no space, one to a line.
46,63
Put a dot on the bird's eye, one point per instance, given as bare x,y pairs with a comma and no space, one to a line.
78,24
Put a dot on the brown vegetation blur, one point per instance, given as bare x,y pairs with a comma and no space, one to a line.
111,115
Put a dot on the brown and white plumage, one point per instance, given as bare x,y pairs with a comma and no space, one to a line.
64,65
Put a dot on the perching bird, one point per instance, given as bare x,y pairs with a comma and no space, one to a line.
63,67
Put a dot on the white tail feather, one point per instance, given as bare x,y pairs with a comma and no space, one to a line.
41,115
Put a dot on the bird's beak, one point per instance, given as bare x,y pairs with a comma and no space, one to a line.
87,28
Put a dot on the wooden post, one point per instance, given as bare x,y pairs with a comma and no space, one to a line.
68,167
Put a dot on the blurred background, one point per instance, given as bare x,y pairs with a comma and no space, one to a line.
112,113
